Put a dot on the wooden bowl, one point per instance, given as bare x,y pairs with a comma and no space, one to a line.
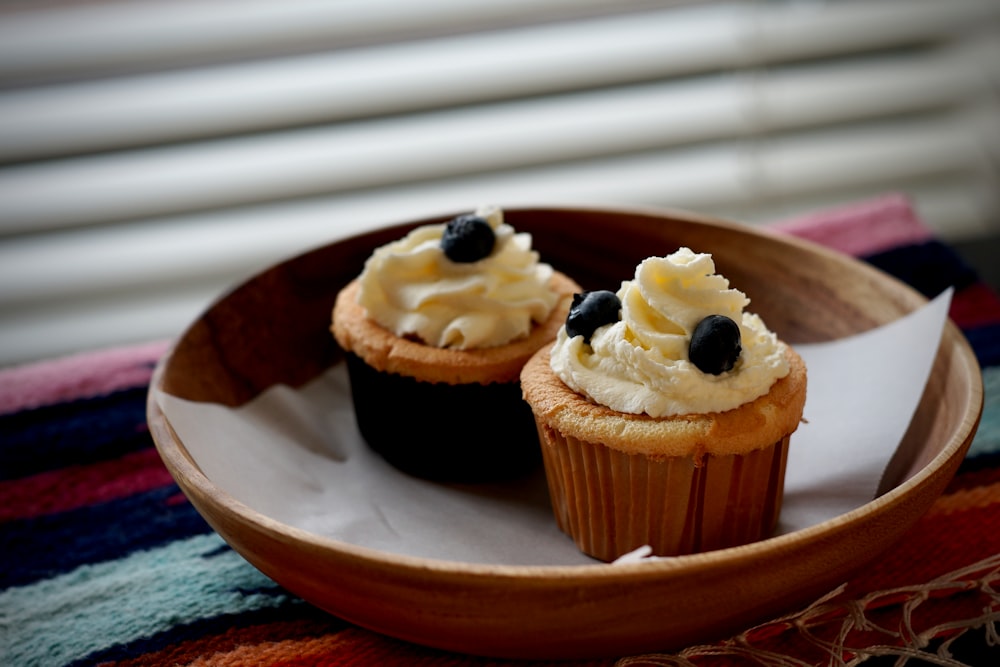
273,329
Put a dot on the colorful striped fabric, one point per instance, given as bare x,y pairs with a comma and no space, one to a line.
104,562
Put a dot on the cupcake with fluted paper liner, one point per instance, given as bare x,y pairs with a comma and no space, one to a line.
664,412
435,332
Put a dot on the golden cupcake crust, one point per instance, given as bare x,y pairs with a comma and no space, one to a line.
383,350
759,423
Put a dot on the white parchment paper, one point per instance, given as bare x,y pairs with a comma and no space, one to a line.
297,457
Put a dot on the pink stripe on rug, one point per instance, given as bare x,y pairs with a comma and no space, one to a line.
82,485
77,376
861,228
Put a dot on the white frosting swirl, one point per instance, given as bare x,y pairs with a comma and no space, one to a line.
411,288
640,364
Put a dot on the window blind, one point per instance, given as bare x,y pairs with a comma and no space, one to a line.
153,154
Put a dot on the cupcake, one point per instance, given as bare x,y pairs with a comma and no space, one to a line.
664,412
435,332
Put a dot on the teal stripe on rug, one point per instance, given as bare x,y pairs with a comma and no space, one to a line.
987,440
73,615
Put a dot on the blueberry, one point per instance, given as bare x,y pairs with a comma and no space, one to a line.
715,345
591,310
468,238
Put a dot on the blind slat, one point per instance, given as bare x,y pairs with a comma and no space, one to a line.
354,83
88,36
698,178
487,138
339,85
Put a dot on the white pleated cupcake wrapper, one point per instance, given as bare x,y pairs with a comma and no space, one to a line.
612,503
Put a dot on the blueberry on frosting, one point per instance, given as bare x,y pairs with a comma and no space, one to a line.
715,345
468,238
591,310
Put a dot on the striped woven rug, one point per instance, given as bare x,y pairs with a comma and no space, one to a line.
104,562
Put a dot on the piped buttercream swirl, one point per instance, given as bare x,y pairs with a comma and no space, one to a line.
640,364
411,288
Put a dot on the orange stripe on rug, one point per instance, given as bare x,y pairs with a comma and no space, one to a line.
348,646
966,499
357,646
233,639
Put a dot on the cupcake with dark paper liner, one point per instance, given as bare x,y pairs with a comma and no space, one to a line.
435,332
664,412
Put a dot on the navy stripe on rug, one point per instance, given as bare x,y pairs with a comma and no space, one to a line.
929,267
52,544
73,433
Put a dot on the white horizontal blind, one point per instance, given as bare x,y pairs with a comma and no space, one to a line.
154,153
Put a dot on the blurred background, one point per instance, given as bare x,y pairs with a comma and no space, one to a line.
154,153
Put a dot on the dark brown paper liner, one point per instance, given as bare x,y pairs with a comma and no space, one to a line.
612,503
444,432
